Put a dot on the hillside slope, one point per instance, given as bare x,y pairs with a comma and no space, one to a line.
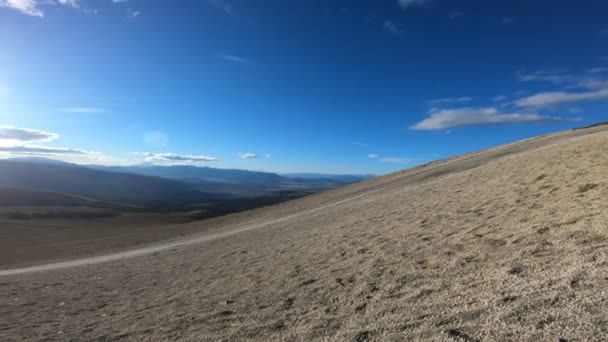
504,244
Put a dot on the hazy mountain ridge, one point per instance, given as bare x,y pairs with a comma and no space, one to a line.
61,183
83,181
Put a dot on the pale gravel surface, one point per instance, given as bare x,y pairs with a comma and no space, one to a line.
513,249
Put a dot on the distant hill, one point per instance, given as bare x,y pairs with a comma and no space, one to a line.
102,185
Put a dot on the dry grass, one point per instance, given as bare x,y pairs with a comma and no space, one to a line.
511,249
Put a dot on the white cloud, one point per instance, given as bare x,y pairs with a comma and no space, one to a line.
12,136
118,1
589,80
251,155
29,7
391,27
32,7
548,99
82,110
70,3
16,141
372,156
237,59
248,155
132,14
449,118
177,158
405,4
592,81
448,100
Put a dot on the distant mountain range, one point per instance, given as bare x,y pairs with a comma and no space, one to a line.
151,184
101,185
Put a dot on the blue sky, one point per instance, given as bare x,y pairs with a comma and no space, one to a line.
294,86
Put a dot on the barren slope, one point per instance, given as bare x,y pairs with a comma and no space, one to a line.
505,244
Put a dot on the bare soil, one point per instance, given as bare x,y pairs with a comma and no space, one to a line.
505,244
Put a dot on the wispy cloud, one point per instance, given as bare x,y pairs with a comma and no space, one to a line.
16,141
391,27
548,99
405,4
29,7
552,76
132,13
455,14
174,157
15,136
118,1
82,110
248,155
237,59
34,7
372,156
251,155
70,3
449,100
42,150
449,118
598,70
593,81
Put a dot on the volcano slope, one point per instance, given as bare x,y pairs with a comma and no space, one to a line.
505,244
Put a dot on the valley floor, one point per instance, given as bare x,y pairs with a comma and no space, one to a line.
505,244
